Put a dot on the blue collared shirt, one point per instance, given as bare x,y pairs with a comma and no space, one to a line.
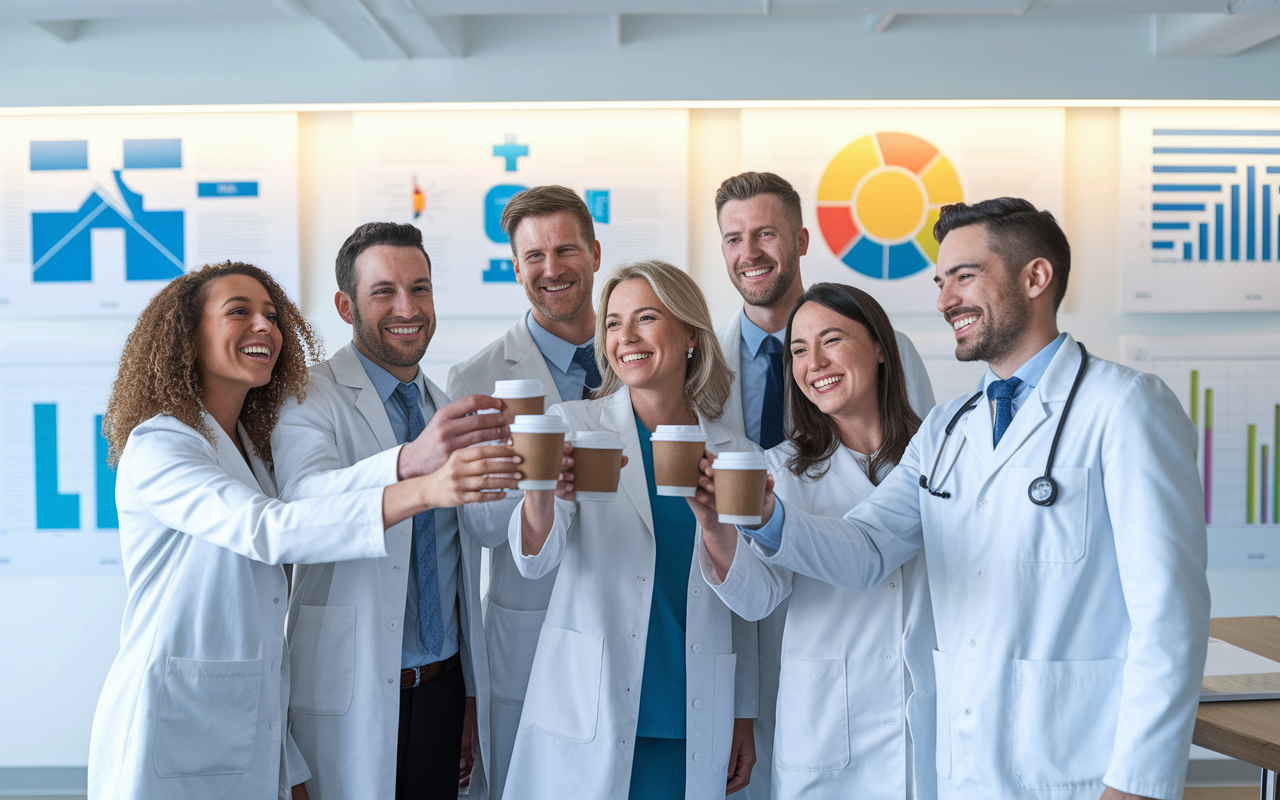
569,377
448,547
753,372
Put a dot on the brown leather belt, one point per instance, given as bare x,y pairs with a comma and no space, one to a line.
410,678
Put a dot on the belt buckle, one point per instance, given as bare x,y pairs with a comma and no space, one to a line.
417,677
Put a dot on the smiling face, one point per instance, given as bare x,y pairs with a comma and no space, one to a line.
978,296
556,265
835,362
646,345
761,248
393,316
238,339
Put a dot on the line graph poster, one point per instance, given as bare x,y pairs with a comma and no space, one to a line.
871,182
1200,209
57,495
1230,388
451,173
97,212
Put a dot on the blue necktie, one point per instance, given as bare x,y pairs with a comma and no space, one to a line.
1002,392
585,357
430,620
771,408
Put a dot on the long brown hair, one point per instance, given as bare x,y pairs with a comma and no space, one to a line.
158,372
813,434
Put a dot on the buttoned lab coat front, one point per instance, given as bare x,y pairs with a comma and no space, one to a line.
577,733
857,667
194,703
920,393
515,605
1071,638
345,619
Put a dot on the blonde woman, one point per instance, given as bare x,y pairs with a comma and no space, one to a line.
644,683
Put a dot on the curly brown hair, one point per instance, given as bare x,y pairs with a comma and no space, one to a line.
158,372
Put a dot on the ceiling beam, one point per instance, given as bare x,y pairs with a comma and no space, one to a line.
879,23
66,30
1213,34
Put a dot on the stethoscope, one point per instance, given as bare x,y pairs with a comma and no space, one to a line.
1043,490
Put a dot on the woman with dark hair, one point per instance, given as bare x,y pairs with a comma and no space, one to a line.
855,715
195,703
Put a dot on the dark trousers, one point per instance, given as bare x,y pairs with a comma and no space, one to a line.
430,744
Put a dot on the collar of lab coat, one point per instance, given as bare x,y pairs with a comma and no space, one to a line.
525,359
348,371
254,473
846,469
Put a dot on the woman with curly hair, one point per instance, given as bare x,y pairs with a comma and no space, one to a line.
195,703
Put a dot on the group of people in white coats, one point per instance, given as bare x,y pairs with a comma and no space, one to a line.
941,602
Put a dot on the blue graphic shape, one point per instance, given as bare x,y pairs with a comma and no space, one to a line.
104,480
227,189
866,258
153,154
59,155
53,510
510,151
60,241
501,270
494,202
906,259
598,203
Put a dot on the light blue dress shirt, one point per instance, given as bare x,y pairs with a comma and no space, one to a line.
448,547
753,372
569,377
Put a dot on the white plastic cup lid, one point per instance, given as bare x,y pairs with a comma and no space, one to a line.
740,459
678,433
596,440
539,423
518,389
488,411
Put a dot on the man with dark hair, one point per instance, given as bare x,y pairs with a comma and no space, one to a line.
388,661
1062,518
556,258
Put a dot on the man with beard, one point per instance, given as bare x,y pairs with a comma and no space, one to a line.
388,664
762,237
1063,520
556,256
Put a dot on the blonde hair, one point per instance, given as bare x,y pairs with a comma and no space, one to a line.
707,378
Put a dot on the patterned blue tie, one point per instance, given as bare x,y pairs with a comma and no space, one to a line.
585,357
771,406
1002,392
430,620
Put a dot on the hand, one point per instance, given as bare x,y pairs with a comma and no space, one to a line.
537,512
470,744
300,792
720,539
452,428
1115,794
742,755
468,471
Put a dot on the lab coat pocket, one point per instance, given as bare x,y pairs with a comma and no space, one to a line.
1064,721
512,638
813,715
1052,534
207,717
723,708
942,673
322,658
566,678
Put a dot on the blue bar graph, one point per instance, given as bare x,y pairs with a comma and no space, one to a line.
1235,223
1266,222
1273,170
1162,245
1171,226
1177,206
105,483
1217,232
53,510
1186,187
1195,170
1204,241
1251,232
1186,251
1217,151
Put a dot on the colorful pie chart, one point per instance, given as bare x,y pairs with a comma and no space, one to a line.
878,200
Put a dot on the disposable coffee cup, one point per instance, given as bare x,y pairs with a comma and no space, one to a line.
539,441
597,464
523,397
740,482
677,449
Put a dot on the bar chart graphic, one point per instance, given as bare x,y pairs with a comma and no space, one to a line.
1230,389
1200,209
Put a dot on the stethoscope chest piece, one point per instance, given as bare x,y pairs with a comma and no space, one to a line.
1043,491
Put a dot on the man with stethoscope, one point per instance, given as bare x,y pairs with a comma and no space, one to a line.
1061,512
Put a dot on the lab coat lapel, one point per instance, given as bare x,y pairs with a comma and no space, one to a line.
1048,397
348,371
617,415
524,358
229,457
846,470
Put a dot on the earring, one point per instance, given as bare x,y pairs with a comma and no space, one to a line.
689,355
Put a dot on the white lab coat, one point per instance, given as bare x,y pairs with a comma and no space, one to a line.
857,667
1071,638
194,704
920,392
577,733
515,605
345,619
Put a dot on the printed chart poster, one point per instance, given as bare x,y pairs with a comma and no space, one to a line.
98,212
1230,388
451,173
872,180
57,494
